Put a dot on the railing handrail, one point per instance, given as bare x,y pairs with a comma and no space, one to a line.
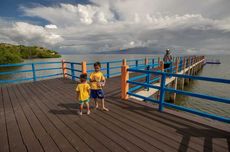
220,80
23,64
75,67
77,63
162,88
33,71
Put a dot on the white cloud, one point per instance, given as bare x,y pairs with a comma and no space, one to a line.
114,24
51,26
25,33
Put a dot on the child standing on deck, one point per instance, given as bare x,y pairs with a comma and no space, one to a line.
97,82
83,92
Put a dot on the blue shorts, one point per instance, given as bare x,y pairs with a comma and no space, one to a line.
97,94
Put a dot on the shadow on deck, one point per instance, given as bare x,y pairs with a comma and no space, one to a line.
42,116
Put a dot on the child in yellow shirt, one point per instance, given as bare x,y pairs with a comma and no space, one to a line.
83,92
97,81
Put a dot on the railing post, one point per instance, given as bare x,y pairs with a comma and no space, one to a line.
153,63
174,84
136,63
124,62
189,69
72,71
146,61
161,68
184,65
64,70
159,60
177,65
162,93
34,72
147,77
193,62
84,67
183,72
108,69
124,84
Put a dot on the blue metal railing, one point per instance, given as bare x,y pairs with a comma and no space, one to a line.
73,69
32,69
111,67
164,89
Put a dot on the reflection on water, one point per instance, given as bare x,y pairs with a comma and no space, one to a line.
215,89
7,69
20,75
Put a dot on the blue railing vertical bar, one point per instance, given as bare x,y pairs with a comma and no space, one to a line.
153,63
162,89
34,72
136,63
72,71
108,69
162,93
148,77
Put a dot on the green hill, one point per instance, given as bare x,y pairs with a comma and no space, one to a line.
16,53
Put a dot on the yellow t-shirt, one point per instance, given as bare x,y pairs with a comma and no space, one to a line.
83,89
98,76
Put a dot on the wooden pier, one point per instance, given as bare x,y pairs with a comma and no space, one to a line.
42,116
192,69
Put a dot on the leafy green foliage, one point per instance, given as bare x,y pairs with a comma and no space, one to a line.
9,57
16,53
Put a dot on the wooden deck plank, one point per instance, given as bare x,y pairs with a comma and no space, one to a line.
4,145
16,142
170,125
39,130
123,142
144,145
31,142
60,96
59,138
50,106
78,128
163,134
70,110
144,140
80,132
201,141
105,140
70,91
156,138
129,118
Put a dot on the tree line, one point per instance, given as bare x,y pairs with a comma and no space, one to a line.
17,53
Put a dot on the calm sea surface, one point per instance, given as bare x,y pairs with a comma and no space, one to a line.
214,89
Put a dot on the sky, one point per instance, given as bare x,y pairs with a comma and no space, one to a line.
193,27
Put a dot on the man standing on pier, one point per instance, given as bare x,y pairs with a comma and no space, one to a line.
167,59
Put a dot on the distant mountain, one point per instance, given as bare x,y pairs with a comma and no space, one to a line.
10,53
139,50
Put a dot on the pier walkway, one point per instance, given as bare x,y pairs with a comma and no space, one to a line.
42,116
170,80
